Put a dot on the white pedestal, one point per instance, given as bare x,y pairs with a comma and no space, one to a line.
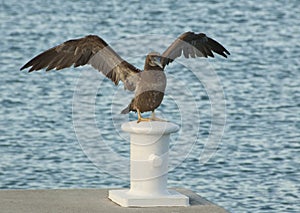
149,153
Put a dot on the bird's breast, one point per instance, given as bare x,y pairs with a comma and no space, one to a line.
151,81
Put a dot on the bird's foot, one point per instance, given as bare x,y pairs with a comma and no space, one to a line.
151,119
157,119
154,118
143,119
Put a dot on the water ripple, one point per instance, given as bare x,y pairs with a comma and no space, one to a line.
257,168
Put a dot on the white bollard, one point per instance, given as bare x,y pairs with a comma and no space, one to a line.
149,153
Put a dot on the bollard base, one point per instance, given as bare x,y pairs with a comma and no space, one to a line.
124,198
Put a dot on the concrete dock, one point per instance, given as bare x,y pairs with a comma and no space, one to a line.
88,201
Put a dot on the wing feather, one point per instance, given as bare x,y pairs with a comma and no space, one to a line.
87,50
193,45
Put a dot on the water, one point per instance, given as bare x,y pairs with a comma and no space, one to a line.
257,166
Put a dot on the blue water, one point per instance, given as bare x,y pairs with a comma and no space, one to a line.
256,167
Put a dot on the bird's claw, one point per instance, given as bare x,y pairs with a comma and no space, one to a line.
143,119
158,119
151,119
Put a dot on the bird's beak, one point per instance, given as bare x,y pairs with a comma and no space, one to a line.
157,62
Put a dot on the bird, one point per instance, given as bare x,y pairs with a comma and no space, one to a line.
148,84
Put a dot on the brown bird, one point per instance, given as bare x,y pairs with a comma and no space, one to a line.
149,85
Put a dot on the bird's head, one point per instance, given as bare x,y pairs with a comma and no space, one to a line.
153,61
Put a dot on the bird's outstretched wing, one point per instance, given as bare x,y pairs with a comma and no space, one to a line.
192,45
87,50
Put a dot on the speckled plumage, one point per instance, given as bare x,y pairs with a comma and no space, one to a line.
149,91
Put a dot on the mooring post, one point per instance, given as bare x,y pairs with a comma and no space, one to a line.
149,155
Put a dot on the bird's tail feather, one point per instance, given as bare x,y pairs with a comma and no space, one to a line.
126,110
129,108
